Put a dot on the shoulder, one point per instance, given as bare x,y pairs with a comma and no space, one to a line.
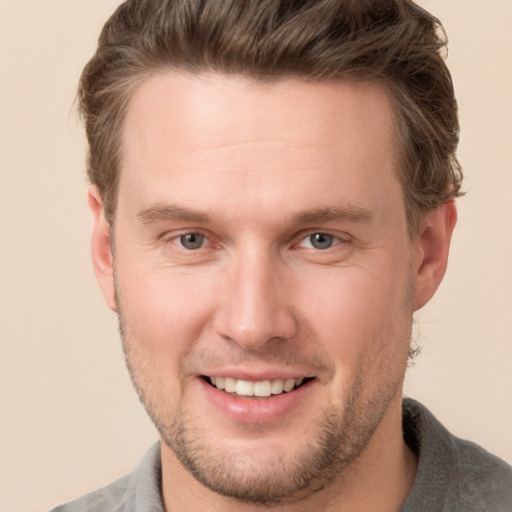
482,477
105,499
453,474
138,492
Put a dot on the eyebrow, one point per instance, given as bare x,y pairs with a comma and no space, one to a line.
175,213
170,212
331,214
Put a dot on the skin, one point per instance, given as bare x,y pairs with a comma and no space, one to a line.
253,168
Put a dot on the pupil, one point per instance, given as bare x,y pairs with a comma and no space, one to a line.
192,241
321,240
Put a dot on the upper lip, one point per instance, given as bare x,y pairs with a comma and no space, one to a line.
256,376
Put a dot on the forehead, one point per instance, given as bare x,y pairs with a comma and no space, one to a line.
257,141
213,107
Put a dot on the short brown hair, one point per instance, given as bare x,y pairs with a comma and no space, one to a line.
392,42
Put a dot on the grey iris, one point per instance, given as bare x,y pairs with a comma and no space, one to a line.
321,240
192,240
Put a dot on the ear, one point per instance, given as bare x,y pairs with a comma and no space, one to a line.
101,248
434,244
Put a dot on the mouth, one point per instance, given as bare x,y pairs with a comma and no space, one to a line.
258,389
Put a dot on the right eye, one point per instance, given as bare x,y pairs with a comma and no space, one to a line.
319,241
191,241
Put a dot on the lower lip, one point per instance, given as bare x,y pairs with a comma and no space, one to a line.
256,410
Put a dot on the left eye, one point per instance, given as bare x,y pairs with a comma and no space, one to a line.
319,241
192,241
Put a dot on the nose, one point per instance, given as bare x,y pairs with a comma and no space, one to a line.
255,304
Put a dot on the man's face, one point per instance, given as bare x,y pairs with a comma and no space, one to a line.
261,242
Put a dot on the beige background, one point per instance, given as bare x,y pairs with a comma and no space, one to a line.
69,418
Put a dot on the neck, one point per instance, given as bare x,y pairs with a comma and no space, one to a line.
380,479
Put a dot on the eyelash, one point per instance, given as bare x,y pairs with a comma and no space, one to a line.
177,238
335,240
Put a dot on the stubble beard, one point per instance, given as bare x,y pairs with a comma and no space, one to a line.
336,440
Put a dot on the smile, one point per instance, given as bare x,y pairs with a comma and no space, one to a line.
263,388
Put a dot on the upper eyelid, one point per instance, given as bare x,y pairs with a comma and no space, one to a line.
177,233
343,236
174,240
337,239
296,239
330,232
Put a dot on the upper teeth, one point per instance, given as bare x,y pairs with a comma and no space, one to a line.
260,388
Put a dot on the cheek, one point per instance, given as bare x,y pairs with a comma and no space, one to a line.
358,314
167,310
363,325
162,316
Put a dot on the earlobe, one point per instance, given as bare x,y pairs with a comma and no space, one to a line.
101,248
434,244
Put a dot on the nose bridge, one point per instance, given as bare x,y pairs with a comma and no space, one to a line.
255,308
